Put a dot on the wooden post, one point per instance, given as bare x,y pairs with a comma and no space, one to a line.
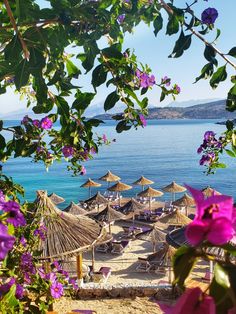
79,260
93,259
109,227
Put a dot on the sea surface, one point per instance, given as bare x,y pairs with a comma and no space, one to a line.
163,151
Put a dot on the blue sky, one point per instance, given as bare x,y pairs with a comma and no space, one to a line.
155,50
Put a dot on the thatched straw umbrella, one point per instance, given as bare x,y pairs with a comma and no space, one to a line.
185,201
208,191
74,209
119,187
96,200
176,218
153,235
109,177
89,184
109,215
173,188
66,234
132,206
56,199
143,181
150,193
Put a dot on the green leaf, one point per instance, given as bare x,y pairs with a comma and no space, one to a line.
219,76
182,44
231,99
112,52
206,72
232,52
122,126
99,76
63,107
158,24
94,122
221,276
173,25
230,153
111,100
2,142
22,74
1,125
229,125
210,54
72,69
82,101
183,262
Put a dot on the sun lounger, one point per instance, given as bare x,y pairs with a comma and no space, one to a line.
151,262
119,247
102,275
103,248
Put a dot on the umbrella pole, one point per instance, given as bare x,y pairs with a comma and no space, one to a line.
119,199
150,204
93,259
79,260
109,227
142,187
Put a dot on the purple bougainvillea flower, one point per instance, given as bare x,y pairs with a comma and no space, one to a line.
209,135
74,284
177,88
36,123
19,291
207,159
41,232
46,123
27,266
83,171
68,151
121,18
16,218
143,120
6,241
166,80
213,220
56,290
25,120
92,151
6,286
104,138
23,241
209,16
192,301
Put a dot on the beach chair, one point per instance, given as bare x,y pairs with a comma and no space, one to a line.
103,248
102,275
119,247
151,262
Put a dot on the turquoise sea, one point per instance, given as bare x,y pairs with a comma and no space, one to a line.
163,151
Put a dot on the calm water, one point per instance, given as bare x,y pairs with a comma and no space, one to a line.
163,151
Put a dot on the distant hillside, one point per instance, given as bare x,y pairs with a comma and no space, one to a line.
191,102
212,110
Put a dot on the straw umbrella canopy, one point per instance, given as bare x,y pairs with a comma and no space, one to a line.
96,200
208,191
185,201
109,215
153,235
132,206
66,234
143,181
119,187
150,192
89,184
173,188
56,199
74,209
175,218
109,177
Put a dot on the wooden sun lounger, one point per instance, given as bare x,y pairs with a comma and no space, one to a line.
151,262
102,275
119,247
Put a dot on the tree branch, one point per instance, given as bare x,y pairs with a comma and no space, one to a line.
170,11
13,22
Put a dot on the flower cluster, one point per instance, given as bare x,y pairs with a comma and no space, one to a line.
41,232
45,123
214,219
68,151
210,148
11,215
144,80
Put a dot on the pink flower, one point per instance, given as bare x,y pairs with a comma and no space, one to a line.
192,301
46,123
56,290
213,220
166,80
143,120
83,171
104,138
36,123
